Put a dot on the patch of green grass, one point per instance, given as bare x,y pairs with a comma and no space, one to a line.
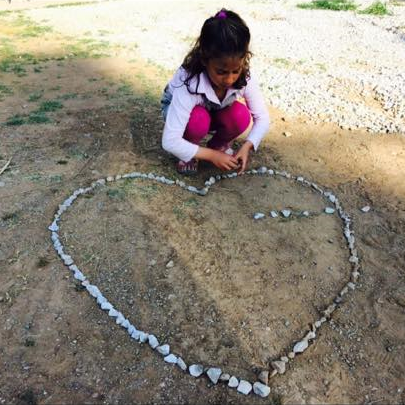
281,62
116,193
50,106
10,218
15,120
36,177
337,5
5,91
73,4
88,48
68,96
38,117
30,28
321,66
376,8
56,178
35,96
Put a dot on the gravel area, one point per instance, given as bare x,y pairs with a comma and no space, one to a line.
329,66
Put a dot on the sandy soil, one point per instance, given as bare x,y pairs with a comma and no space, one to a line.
240,292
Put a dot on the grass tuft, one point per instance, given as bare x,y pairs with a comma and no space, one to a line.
336,5
50,106
15,120
376,8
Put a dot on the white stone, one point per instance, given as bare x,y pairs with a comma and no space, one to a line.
93,290
181,363
120,319
213,374
233,382
136,334
224,377
106,306
212,180
101,299
153,342
192,189
305,213
273,214
143,337
113,313
131,329
258,215
279,366
67,259
286,213
53,227
332,198
262,170
300,346
270,171
329,210
244,387
366,208
196,370
73,267
171,358
164,349
261,389
79,276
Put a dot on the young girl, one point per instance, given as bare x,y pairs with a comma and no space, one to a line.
213,91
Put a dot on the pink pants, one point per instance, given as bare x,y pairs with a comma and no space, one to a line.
229,123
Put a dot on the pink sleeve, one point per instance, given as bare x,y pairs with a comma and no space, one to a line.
257,106
176,121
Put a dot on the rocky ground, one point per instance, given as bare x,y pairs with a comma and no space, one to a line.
79,100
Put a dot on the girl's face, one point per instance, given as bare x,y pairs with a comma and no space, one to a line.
224,72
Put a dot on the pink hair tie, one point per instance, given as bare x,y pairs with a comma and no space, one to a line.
221,14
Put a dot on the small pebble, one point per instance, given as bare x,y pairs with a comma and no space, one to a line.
224,377
300,346
196,370
244,387
153,342
164,349
264,377
279,366
329,210
287,134
181,363
261,389
233,382
286,213
170,264
366,208
213,374
171,358
273,214
258,215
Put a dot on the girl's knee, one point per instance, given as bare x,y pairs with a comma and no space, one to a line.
198,124
236,118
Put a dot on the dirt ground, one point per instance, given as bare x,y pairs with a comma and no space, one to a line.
240,293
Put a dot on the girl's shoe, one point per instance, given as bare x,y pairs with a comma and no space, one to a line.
188,168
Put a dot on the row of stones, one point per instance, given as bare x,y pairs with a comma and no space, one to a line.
215,374
286,213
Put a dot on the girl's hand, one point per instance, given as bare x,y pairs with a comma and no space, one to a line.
224,161
242,156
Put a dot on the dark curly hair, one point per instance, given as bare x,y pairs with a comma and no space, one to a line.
224,35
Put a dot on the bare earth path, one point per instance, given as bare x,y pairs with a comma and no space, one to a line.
71,102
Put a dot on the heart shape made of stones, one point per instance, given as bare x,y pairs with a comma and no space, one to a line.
215,374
